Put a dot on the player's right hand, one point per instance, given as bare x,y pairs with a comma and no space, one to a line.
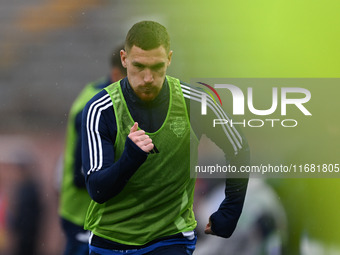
139,137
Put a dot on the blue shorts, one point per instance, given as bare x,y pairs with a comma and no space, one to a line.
165,247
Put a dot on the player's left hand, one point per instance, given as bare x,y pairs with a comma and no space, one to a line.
208,229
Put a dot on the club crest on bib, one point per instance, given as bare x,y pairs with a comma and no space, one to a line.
178,126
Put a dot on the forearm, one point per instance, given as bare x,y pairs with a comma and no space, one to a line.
106,183
224,220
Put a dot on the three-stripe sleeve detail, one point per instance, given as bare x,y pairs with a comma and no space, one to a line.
231,132
93,135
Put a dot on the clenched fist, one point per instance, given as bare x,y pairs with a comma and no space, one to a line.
139,137
208,229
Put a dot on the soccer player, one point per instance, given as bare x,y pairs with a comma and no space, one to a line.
136,141
74,199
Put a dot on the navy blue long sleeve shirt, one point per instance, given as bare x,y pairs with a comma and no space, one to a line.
78,175
105,178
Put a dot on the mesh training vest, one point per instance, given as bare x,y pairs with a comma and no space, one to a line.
73,200
157,200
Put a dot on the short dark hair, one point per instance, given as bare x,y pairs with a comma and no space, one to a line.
115,59
147,35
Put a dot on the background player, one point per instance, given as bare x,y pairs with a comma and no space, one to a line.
74,199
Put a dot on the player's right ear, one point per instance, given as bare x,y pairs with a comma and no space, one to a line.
123,56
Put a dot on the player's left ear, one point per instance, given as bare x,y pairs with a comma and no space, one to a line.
169,57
